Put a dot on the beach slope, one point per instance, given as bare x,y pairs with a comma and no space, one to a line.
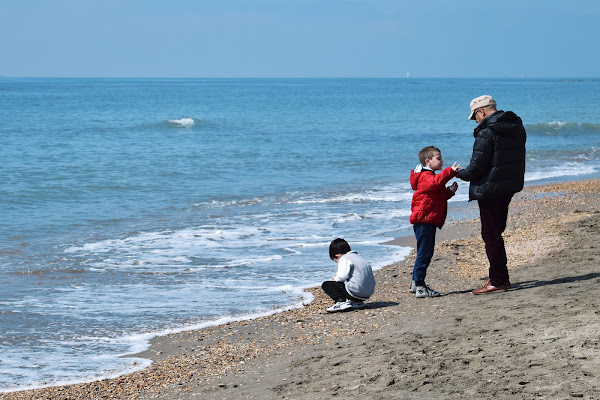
541,339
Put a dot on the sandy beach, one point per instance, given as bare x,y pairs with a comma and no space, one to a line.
539,340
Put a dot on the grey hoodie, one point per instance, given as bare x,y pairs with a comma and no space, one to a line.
356,274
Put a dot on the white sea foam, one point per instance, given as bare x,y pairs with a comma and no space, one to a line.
394,214
398,254
183,122
224,203
353,216
390,193
563,128
294,251
55,367
566,169
121,363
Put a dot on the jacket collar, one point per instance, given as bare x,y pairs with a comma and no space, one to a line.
420,168
489,120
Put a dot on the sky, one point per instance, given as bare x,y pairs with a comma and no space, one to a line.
299,38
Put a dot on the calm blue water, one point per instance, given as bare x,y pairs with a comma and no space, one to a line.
131,207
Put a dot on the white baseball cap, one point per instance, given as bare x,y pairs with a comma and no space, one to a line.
481,101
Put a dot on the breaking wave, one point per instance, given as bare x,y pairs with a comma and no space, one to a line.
556,128
185,122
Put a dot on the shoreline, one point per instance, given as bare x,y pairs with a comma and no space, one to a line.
206,362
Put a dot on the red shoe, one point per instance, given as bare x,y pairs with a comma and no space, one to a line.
489,288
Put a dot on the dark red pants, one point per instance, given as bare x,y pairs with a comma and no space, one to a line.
494,213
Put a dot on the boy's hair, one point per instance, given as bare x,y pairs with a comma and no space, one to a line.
338,246
427,152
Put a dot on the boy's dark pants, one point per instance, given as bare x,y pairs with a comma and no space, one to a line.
493,214
425,234
337,291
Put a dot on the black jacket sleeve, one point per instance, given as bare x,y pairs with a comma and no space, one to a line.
483,151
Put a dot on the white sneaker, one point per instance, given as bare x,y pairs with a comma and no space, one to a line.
357,305
340,306
426,291
413,287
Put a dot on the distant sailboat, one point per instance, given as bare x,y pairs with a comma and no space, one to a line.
407,75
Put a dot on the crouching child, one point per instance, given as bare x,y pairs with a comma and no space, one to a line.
354,281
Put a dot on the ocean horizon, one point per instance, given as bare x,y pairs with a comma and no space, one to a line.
138,207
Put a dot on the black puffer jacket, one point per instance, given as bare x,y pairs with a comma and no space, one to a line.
497,166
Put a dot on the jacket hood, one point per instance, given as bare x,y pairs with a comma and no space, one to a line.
414,177
502,122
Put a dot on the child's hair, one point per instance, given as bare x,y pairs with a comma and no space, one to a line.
338,246
427,152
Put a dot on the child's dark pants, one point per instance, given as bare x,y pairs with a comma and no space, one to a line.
337,291
425,234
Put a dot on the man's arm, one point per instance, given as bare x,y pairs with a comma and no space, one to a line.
483,150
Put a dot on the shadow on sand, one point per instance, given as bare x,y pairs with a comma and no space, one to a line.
533,284
557,281
380,304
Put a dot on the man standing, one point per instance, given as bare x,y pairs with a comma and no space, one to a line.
496,172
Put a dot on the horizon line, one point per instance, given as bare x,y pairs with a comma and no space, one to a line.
298,77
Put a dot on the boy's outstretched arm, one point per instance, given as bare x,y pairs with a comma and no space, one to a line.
438,181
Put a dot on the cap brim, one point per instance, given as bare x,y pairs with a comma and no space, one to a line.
471,115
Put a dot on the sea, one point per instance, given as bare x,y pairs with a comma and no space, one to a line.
131,208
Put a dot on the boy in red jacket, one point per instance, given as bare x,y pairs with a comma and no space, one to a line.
428,211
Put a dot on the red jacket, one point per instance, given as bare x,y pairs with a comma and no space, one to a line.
430,200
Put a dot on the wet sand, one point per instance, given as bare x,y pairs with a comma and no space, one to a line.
539,340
